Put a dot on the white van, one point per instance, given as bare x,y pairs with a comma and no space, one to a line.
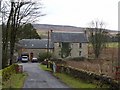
25,59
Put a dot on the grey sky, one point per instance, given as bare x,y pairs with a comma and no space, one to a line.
80,12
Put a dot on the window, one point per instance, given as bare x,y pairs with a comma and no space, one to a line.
79,53
32,44
59,53
59,44
80,45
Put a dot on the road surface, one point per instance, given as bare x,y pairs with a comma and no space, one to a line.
38,78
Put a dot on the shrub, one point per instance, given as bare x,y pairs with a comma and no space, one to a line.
8,71
77,58
43,56
44,62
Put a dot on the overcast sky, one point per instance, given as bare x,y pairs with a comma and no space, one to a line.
80,12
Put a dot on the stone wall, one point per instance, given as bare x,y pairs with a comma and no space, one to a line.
90,77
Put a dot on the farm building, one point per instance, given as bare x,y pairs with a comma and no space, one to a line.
77,42
34,46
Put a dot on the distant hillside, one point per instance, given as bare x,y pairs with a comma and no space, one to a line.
46,27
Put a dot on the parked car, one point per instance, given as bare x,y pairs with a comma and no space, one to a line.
24,59
34,59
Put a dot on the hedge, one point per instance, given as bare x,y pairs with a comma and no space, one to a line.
8,71
76,58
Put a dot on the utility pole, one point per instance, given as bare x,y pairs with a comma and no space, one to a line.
1,39
119,39
48,49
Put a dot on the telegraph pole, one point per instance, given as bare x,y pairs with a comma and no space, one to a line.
119,40
47,48
1,39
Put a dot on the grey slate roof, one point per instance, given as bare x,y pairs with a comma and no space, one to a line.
35,43
68,37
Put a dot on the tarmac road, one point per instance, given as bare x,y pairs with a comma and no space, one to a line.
38,78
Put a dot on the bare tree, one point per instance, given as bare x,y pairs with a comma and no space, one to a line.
19,13
97,37
5,35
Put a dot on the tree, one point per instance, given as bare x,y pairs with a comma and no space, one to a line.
27,31
116,38
65,50
43,56
19,13
5,35
97,37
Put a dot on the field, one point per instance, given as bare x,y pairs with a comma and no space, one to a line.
43,34
115,45
110,45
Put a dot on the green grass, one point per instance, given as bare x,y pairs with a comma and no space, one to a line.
16,81
70,81
74,83
109,45
0,79
113,45
44,67
0,72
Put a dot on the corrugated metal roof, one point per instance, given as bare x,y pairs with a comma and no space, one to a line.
35,43
68,37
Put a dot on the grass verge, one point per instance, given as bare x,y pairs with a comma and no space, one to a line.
0,79
16,81
69,80
0,72
44,67
73,82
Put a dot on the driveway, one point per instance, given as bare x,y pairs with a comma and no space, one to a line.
38,78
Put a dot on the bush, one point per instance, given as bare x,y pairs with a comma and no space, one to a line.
8,71
43,56
44,62
77,58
